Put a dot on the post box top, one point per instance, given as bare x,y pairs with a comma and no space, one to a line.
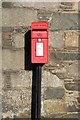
39,25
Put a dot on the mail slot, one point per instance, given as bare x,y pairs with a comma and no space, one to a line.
39,42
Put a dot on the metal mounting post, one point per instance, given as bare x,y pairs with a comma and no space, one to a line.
36,93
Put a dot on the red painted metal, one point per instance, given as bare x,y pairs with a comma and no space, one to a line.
39,42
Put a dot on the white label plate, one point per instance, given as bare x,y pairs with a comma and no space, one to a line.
39,49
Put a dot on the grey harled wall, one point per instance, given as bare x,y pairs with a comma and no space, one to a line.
60,78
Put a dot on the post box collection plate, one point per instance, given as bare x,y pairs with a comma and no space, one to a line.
39,42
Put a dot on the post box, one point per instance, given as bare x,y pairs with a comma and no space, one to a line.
39,42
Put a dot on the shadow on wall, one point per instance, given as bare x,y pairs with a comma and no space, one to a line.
28,64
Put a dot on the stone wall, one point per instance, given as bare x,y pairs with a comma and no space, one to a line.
60,78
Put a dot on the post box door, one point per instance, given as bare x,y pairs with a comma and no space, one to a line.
39,45
40,51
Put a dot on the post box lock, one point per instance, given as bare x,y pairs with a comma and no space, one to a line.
39,39
39,42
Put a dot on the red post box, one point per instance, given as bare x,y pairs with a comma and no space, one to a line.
39,42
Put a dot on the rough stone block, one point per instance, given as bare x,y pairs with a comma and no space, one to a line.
64,56
72,68
6,81
6,35
21,79
52,6
62,70
56,39
71,39
64,21
18,17
16,102
74,115
73,108
78,99
18,40
66,6
6,39
44,15
7,4
7,29
55,106
7,43
75,6
79,6
72,86
54,93
12,59
50,80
